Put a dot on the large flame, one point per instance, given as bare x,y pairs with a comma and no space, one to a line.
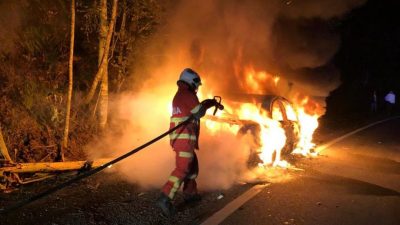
271,135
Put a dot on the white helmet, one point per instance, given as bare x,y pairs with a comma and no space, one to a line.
190,77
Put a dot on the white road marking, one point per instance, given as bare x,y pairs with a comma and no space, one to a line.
334,141
231,207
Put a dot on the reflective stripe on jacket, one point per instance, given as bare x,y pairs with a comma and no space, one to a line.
184,104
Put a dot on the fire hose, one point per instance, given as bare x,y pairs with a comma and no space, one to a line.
88,173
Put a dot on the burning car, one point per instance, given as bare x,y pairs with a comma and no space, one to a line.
275,129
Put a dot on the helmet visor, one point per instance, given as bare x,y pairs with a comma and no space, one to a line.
197,81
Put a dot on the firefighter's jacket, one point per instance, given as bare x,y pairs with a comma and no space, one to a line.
184,104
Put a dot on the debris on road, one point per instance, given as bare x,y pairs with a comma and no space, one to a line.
220,196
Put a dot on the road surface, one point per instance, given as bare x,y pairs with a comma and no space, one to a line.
355,181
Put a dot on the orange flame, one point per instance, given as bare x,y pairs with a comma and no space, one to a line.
272,138
257,82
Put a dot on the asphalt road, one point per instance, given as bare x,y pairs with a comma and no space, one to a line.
355,181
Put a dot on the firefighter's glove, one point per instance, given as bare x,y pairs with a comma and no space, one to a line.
208,103
204,105
211,103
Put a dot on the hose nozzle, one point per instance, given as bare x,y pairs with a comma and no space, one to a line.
219,106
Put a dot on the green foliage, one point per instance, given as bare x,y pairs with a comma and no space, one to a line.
35,40
142,20
28,95
45,33
34,80
90,19
45,105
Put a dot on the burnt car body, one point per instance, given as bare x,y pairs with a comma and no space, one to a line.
277,108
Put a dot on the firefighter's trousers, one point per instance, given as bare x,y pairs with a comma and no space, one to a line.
186,171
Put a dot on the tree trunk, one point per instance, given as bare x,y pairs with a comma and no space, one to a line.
103,29
103,103
104,60
122,47
70,83
3,148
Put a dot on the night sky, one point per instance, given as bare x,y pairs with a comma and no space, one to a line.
368,57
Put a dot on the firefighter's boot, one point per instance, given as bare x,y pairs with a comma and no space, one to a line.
164,203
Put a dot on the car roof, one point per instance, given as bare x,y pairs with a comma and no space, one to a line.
266,100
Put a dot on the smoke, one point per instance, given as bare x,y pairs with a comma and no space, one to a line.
291,39
325,9
220,39
142,117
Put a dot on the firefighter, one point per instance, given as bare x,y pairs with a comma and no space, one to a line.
185,140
